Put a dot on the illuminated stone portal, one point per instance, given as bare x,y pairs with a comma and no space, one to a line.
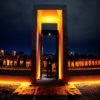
49,14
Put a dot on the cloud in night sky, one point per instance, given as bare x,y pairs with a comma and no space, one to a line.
83,20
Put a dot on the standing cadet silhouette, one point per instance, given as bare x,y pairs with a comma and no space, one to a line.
49,68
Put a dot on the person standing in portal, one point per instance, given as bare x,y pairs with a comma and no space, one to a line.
49,68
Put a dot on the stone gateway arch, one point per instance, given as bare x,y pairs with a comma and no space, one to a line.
49,14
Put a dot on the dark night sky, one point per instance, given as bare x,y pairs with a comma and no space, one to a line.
83,24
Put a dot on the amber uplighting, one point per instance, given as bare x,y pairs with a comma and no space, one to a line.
85,79
12,82
87,82
14,79
50,16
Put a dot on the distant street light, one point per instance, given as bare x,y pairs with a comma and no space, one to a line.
49,34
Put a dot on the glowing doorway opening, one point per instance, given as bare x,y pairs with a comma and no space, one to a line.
49,16
49,59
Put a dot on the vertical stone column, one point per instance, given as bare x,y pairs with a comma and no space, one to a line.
34,43
65,48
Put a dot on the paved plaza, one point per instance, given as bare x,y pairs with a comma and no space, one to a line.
71,91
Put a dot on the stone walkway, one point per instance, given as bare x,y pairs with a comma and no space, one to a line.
67,89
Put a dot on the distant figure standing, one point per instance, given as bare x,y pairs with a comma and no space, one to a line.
49,68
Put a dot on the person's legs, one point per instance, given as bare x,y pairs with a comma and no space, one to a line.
47,71
51,70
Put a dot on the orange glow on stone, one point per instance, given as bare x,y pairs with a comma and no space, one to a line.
49,16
